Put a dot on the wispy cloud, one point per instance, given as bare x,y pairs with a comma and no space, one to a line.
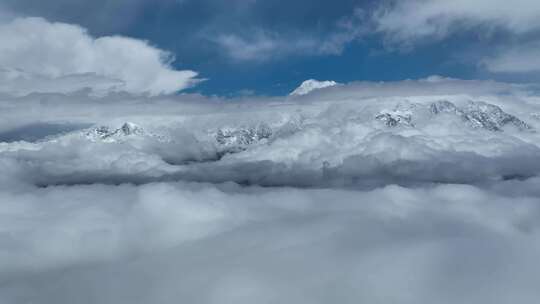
259,44
410,23
410,20
521,58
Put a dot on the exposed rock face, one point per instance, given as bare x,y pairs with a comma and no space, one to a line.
129,128
443,106
104,133
234,139
476,114
237,139
491,117
480,114
99,132
394,120
400,115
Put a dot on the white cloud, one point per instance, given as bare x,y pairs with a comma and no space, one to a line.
261,45
409,20
317,200
202,243
517,59
330,136
39,56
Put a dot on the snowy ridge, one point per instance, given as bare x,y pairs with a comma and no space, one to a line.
490,117
127,131
295,132
476,114
260,137
233,140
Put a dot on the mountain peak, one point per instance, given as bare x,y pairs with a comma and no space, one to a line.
130,128
310,85
109,134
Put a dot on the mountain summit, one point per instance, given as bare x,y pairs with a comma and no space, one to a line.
310,85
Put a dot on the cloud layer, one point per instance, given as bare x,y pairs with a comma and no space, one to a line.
214,244
39,56
515,59
414,191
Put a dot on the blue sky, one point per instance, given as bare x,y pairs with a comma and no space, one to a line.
269,47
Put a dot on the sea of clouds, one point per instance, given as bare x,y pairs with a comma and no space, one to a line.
112,190
331,205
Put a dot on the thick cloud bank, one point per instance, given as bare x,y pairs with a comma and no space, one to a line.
44,57
421,191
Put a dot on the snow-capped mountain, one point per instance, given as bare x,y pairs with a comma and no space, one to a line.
108,134
310,85
476,114
394,119
402,114
343,130
235,138
232,139
490,117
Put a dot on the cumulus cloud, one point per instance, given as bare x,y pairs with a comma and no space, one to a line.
40,56
405,21
414,191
